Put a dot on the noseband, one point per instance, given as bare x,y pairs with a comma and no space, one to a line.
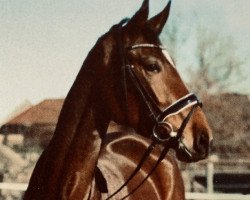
162,132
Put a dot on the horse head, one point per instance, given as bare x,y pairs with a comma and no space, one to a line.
142,88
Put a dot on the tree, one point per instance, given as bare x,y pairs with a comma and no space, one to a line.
217,65
214,67
174,36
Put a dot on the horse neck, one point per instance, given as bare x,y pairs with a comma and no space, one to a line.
76,138
81,159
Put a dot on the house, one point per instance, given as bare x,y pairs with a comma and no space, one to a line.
35,125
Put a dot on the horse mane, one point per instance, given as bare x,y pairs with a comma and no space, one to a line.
49,167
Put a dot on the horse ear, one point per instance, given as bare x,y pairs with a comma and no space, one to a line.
157,22
141,16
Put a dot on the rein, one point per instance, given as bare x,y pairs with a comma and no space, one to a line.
154,112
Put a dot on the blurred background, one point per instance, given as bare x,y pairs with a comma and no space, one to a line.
43,45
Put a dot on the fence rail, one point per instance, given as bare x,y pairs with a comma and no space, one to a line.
216,196
189,195
13,186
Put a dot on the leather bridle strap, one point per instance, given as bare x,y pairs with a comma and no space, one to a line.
144,157
185,121
147,99
179,105
161,157
157,116
165,150
125,68
124,61
190,100
182,103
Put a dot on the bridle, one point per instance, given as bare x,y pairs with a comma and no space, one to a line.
155,113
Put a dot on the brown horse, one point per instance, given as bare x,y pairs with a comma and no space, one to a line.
128,78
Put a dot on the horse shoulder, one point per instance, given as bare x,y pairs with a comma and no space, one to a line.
121,153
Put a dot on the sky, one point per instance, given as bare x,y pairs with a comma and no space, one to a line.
43,43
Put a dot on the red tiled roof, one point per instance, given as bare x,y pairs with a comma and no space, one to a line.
46,112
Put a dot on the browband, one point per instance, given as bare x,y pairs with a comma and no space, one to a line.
136,46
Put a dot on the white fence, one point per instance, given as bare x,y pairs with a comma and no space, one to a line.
189,195
13,186
216,196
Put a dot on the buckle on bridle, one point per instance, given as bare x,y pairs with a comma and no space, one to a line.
163,132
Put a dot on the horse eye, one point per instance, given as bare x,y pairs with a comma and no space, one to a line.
152,68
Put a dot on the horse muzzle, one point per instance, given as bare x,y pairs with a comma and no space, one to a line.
200,150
